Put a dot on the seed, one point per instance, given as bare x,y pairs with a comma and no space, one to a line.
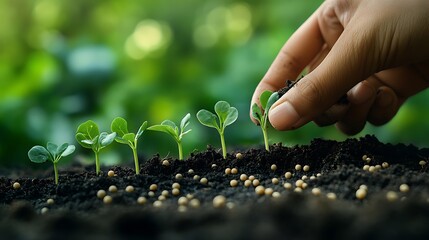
372,169
175,191
255,182
151,194
182,201
129,189
107,199
298,167
247,183
195,203
260,190
360,193
288,175
239,156
157,204
304,185
269,191
368,159
377,167
243,177
196,177
287,185
299,183
204,181
422,163
230,205
306,168
233,183
101,194
298,190
385,164
182,209
113,189
214,166
366,168
16,185
276,194
161,198
176,185
141,200
44,210
364,187
275,181
234,171
316,191
251,177
391,196
312,177
304,177
318,175
227,171
111,173
364,157
165,163
153,187
165,193
273,167
50,201
191,171
404,188
331,196
219,201
179,176
189,196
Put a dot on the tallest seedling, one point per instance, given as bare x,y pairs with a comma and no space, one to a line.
226,115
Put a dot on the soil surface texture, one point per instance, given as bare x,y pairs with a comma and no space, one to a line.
355,189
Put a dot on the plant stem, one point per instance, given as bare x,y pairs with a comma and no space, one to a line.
267,146
136,160
222,141
56,173
179,145
97,163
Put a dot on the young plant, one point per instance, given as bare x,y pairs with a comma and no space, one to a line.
54,153
120,126
88,136
226,116
177,133
267,99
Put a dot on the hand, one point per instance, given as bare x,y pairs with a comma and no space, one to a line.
376,52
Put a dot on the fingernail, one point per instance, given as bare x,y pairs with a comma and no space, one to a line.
284,116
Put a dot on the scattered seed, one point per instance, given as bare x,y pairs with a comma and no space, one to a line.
260,190
182,209
247,183
255,182
364,157
227,171
165,193
331,196
391,196
101,193
230,205
179,176
273,167
107,199
239,155
275,181
50,201
196,177
404,188
16,185
372,169
366,168
312,177
189,196
298,167
304,177
233,183
251,178
176,185
214,166
287,185
111,173
361,193
204,181
363,186
195,203
269,191
298,189
304,185
318,175
368,159
288,175
299,183
161,198
377,167
129,189
113,189
175,191
385,164
422,163
243,177
157,204
151,194
191,171
141,200
153,187
234,171
219,201
44,210
165,163
306,168
276,195
316,191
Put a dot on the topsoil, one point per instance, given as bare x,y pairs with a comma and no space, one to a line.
336,168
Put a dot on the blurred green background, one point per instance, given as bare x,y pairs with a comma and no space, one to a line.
64,62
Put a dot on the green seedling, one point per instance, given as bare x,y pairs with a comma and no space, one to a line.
226,116
54,153
88,136
177,133
267,99
120,126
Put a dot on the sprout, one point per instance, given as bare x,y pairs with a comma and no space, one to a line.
267,99
88,136
120,126
54,153
226,115
177,133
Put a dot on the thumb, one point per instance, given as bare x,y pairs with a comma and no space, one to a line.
349,62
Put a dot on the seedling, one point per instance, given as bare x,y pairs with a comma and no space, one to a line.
267,99
226,115
120,126
88,136
177,133
54,153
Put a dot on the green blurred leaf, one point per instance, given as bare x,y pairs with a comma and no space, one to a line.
38,154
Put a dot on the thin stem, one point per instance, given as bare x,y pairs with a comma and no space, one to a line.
136,158
222,141
179,145
97,163
56,173
267,146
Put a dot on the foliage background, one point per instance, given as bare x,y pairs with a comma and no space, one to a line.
64,62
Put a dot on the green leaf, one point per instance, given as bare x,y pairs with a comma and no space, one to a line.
222,108
271,100
164,128
121,140
105,139
120,126
84,141
231,116
129,137
256,112
52,148
141,130
169,123
263,99
185,121
87,131
61,149
69,150
38,154
207,118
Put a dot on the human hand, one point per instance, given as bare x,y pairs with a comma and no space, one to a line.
376,52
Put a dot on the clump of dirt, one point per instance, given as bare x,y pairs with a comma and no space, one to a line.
337,169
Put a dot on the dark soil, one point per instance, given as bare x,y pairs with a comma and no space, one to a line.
78,214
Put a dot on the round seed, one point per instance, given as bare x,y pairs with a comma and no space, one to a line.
234,171
129,189
107,199
391,196
288,175
227,171
50,201
195,203
204,181
165,193
260,190
304,177
233,183
219,201
44,210
298,190
273,167
182,209
176,185
368,159
113,189
366,168
331,196
318,175
151,194
251,177
360,193
179,176
214,166
101,194
377,167
275,181
299,183
239,155
247,183
255,182
196,177
316,191
153,187
16,185
269,191
298,167
111,173
404,187
191,171
364,187
422,163
243,177
306,168
230,205
275,195
141,200
157,204
161,198
304,185
189,196
364,157
165,163
287,185
372,169
385,164
175,191
312,177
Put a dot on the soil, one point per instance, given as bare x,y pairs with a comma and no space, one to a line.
335,168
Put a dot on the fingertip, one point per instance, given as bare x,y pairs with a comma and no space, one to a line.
284,116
